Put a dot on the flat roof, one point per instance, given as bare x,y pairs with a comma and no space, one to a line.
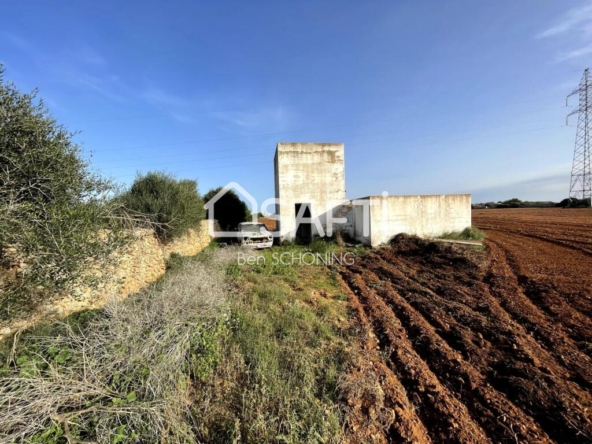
412,195
307,145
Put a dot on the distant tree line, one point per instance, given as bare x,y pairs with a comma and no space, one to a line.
517,203
574,203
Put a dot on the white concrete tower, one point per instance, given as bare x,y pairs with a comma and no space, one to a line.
309,177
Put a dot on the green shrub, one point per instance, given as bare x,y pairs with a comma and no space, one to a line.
469,233
229,210
172,205
53,209
574,203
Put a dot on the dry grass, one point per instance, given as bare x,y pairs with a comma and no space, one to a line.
124,377
216,352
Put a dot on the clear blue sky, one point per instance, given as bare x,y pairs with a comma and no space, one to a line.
428,96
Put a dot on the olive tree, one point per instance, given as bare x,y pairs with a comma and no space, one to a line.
56,215
172,205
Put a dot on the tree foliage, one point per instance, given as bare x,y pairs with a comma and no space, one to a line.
229,210
574,203
173,205
52,207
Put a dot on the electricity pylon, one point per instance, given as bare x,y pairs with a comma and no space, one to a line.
581,175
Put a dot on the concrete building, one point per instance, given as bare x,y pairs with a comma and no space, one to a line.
423,216
309,177
310,188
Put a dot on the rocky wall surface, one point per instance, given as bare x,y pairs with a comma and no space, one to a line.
137,265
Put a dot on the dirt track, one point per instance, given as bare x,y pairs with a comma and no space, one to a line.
480,347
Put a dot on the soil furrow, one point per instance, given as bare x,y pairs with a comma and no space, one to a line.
552,301
493,320
513,349
405,426
495,413
572,244
446,419
479,345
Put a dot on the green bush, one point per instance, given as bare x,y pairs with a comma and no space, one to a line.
229,210
53,209
469,233
173,205
574,203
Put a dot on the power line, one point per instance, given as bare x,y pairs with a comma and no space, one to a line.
184,161
268,162
581,175
160,145
267,149
213,112
212,168
267,153
179,155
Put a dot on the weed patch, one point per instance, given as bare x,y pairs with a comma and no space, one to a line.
469,233
277,380
214,352
123,373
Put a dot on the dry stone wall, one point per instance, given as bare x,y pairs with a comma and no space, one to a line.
136,266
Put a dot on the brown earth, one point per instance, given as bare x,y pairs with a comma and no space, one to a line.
270,224
460,345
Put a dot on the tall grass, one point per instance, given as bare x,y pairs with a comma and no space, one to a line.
215,353
126,375
277,380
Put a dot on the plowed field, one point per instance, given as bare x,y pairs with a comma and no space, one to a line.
475,346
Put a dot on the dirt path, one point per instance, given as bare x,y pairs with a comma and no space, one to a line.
481,346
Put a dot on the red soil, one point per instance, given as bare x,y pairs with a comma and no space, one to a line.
477,346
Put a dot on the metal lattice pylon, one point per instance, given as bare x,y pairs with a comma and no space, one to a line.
581,175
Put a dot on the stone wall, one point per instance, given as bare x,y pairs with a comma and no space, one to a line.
139,264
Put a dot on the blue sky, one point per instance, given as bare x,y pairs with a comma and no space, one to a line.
429,97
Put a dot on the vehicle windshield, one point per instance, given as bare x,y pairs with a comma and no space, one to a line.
252,227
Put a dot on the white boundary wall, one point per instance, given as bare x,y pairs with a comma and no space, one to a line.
424,216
